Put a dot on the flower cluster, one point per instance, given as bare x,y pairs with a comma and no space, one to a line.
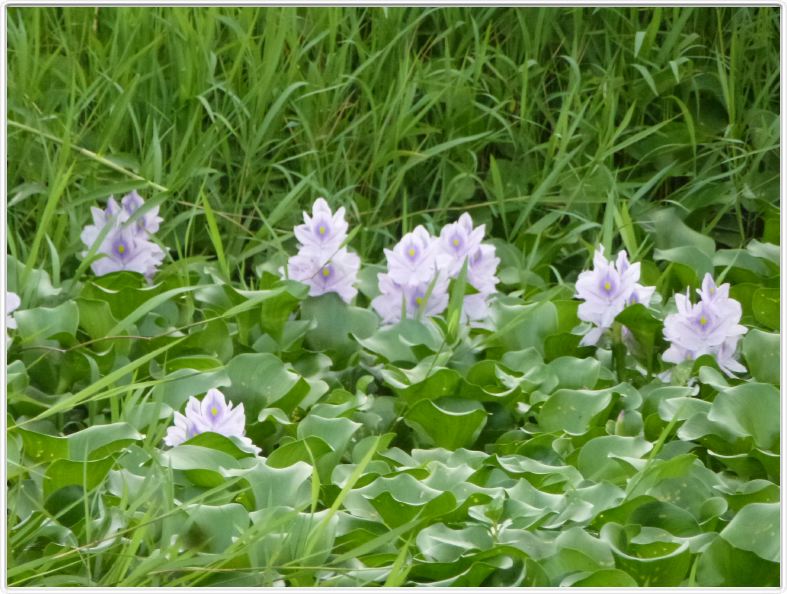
708,327
125,245
321,261
421,266
213,414
606,291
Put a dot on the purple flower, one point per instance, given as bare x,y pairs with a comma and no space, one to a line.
323,230
213,414
709,327
639,293
482,268
412,299
458,241
12,301
125,246
606,291
413,261
150,221
419,258
475,309
337,274
320,262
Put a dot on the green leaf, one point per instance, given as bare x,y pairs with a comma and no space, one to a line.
176,387
229,445
448,422
749,410
762,353
273,487
440,543
692,257
335,432
203,466
611,457
646,328
94,442
122,291
442,382
722,565
755,528
86,473
150,304
648,557
601,578
574,373
765,306
524,325
286,537
307,450
261,379
573,411
95,317
38,324
398,343
214,527
335,324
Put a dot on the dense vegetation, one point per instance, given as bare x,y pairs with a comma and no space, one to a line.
428,452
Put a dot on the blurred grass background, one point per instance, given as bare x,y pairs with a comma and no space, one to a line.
558,127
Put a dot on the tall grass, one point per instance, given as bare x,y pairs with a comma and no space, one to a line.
557,127
404,115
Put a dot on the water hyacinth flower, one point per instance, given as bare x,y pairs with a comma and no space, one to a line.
213,414
482,269
413,260
323,231
149,222
607,290
458,241
125,245
336,275
419,258
321,262
412,299
708,327
12,302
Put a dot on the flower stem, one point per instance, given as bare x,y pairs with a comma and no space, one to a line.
618,350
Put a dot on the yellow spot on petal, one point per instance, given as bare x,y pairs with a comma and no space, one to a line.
121,249
456,242
321,230
419,300
411,252
607,286
326,271
703,320
214,411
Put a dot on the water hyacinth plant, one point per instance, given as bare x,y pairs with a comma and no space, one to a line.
413,284
606,290
709,327
421,266
321,261
212,414
401,299
430,376
460,243
123,244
